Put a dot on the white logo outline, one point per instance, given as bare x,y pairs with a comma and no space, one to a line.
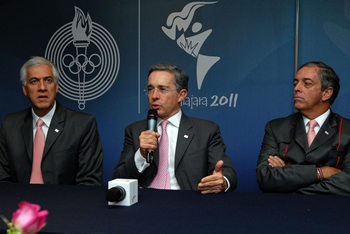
191,45
82,32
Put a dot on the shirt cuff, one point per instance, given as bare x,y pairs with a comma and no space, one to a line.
228,184
140,162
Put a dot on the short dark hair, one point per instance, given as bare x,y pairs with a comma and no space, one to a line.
327,76
181,78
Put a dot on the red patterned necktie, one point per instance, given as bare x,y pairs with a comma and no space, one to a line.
311,133
38,149
162,179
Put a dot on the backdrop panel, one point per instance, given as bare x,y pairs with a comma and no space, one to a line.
239,56
325,36
251,82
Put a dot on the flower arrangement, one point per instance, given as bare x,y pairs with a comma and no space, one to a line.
27,219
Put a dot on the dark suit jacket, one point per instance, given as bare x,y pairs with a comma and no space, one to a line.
286,138
72,154
195,156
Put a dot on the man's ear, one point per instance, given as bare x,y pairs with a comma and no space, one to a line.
182,95
327,93
24,90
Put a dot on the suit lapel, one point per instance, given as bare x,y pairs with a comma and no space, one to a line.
328,129
156,156
299,133
27,133
184,138
56,127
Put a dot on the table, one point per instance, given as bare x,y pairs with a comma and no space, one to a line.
83,209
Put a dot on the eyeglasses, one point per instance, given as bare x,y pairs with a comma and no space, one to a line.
161,90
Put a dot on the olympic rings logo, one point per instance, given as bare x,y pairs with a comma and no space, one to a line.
75,67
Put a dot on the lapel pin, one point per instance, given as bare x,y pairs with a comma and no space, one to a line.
185,136
56,130
326,132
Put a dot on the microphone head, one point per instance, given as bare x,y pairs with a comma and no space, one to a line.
115,194
152,114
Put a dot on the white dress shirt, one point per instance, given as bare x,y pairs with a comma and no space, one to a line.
320,120
47,121
172,130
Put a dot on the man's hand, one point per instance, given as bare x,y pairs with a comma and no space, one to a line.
329,171
214,183
275,161
148,140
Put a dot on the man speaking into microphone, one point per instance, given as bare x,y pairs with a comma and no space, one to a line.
188,153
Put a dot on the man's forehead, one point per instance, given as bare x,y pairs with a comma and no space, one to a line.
39,71
307,73
161,79
39,67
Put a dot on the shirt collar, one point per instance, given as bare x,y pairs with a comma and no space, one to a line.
174,120
47,118
320,119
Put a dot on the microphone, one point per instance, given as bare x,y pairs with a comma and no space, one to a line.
152,117
122,192
116,194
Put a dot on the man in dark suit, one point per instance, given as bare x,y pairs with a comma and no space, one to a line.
72,150
308,152
195,157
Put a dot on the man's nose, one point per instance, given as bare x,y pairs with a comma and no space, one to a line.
42,85
296,87
155,94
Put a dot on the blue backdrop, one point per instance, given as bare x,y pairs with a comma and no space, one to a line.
240,56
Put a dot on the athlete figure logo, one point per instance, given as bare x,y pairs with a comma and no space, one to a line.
191,45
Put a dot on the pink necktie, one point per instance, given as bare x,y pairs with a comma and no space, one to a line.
162,179
311,133
38,149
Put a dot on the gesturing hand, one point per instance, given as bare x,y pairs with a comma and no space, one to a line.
214,183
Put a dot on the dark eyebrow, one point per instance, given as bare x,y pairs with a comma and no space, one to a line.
159,86
46,77
303,79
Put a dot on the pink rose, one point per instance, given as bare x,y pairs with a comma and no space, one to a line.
28,219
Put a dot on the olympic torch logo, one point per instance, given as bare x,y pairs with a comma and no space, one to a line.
92,69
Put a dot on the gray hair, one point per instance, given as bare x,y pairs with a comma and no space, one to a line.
181,78
36,61
327,76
